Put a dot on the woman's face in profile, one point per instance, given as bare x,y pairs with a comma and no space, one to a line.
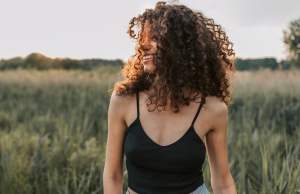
148,47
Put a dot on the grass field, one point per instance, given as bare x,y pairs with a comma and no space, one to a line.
53,127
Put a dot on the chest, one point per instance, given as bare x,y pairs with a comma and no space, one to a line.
185,154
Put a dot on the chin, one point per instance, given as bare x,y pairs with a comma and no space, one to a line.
149,67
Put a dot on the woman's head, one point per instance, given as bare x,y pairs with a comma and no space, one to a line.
190,53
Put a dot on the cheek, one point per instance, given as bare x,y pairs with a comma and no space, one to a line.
155,46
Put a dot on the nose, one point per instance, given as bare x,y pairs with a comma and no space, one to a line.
146,45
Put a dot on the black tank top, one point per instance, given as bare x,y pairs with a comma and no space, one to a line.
175,168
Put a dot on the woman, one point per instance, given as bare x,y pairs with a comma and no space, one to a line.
154,117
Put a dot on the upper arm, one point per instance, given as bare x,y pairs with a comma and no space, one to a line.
216,145
113,166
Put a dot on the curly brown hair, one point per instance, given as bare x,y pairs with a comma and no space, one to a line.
193,52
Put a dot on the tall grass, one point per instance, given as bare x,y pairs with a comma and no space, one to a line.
53,131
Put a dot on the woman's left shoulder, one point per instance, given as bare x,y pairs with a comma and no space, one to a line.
216,106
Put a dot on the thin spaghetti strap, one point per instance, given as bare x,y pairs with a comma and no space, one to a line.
137,104
199,108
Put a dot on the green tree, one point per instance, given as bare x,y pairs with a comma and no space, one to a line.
292,42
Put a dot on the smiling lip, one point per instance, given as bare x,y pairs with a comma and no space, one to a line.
147,58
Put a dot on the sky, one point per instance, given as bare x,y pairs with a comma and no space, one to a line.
98,29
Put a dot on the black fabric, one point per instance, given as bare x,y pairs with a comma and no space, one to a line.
175,168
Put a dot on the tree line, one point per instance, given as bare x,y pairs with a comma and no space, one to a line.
42,62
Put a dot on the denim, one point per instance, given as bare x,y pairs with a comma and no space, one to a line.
202,189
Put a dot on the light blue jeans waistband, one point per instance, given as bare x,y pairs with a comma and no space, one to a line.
202,189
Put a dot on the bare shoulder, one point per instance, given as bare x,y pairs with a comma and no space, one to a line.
216,105
118,104
117,100
217,110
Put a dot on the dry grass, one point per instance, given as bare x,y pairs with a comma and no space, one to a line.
53,131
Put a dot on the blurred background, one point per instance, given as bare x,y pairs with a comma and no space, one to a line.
60,58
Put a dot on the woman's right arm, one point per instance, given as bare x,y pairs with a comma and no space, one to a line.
113,167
